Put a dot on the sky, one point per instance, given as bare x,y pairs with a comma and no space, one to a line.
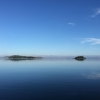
50,27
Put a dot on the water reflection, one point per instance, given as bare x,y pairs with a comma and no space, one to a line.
92,76
20,59
49,80
79,59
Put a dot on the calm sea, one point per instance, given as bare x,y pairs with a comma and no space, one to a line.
50,80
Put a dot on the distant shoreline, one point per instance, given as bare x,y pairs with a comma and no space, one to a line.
19,57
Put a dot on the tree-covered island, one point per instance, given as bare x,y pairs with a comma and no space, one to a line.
19,57
80,58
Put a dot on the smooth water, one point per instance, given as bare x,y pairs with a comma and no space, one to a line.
49,80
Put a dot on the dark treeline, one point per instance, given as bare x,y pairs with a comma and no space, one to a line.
23,57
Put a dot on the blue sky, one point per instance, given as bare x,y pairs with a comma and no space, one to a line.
50,27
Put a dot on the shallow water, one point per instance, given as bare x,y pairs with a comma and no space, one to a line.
50,80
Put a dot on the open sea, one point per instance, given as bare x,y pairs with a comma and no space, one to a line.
50,80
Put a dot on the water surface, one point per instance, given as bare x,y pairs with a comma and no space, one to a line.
49,80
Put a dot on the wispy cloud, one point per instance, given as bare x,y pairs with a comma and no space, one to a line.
92,41
73,24
97,12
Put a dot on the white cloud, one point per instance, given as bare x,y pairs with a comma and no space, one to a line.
92,41
73,24
97,12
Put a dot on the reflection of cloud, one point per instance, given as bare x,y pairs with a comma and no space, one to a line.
97,12
92,41
93,76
